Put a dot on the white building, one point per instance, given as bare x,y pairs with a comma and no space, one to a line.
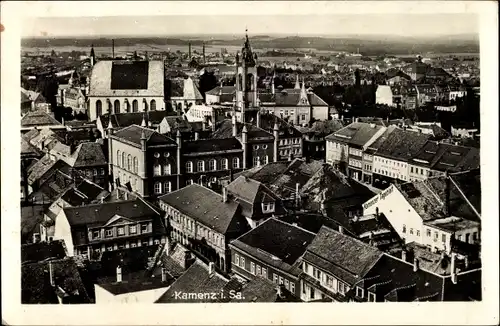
125,86
383,95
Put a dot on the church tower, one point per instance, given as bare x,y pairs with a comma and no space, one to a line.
246,80
92,56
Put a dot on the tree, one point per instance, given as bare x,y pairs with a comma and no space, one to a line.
208,81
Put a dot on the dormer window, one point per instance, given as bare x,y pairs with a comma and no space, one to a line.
371,297
360,292
268,207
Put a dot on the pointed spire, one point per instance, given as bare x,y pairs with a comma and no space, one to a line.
143,123
143,134
297,83
303,89
110,124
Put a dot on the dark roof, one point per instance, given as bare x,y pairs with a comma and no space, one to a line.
134,282
133,134
29,150
211,145
44,167
250,191
276,239
99,214
401,144
196,280
35,252
343,256
86,192
324,128
258,289
447,157
122,120
206,206
129,75
297,172
89,154
224,90
286,130
179,123
35,282
265,173
32,119
225,130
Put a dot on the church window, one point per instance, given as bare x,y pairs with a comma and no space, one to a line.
153,105
117,107
135,106
98,108
129,162
123,160
136,165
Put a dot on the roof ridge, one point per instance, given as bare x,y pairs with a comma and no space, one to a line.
291,225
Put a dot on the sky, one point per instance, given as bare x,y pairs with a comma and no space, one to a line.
322,25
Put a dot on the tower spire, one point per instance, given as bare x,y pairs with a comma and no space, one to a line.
297,83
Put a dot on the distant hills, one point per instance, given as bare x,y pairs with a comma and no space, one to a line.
367,45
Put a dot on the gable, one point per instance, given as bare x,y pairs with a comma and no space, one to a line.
117,220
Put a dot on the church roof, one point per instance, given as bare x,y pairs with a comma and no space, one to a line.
127,78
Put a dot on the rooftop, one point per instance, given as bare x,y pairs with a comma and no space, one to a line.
33,119
401,144
357,133
133,134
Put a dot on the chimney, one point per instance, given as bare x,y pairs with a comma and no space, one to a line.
211,268
453,268
196,135
51,274
163,274
415,264
118,274
341,229
224,195
403,255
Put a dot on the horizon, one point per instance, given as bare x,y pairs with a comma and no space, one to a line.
331,25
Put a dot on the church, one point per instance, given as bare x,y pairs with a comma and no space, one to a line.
119,86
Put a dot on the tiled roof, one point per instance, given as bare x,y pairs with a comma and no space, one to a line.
143,78
343,256
29,150
175,264
265,173
373,147
251,191
196,280
133,134
35,252
276,239
225,130
207,207
447,157
357,133
211,145
122,120
25,97
324,128
89,154
402,145
134,282
286,130
86,192
43,166
35,282
298,172
99,214
225,90
178,123
32,119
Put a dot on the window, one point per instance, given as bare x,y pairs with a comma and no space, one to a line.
404,228
189,167
436,235
153,105
109,233
264,146
474,236
117,106
95,172
129,162
418,233
264,272
256,161
212,165
201,166
157,170
341,287
98,108
102,172
371,297
428,233
443,237
123,160
411,231
242,262
237,259
133,229
359,292
157,188
303,117
167,169
287,284
267,207
95,234
256,147
144,228
281,280
167,187
224,164
266,159
252,268
135,106
312,293
118,158
258,270
236,163
136,165
275,278
292,287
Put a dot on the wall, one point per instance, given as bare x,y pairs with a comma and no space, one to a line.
125,175
63,232
383,95
310,292
336,152
320,112
160,105
418,173
389,167
398,212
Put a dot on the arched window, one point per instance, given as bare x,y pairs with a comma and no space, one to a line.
236,163
123,160
224,164
98,108
167,169
135,106
157,188
201,166
118,158
153,105
136,165
189,167
157,170
117,106
129,162
167,187
212,165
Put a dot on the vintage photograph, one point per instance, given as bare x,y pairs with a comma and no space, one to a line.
259,159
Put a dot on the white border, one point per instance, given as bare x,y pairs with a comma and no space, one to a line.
485,312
